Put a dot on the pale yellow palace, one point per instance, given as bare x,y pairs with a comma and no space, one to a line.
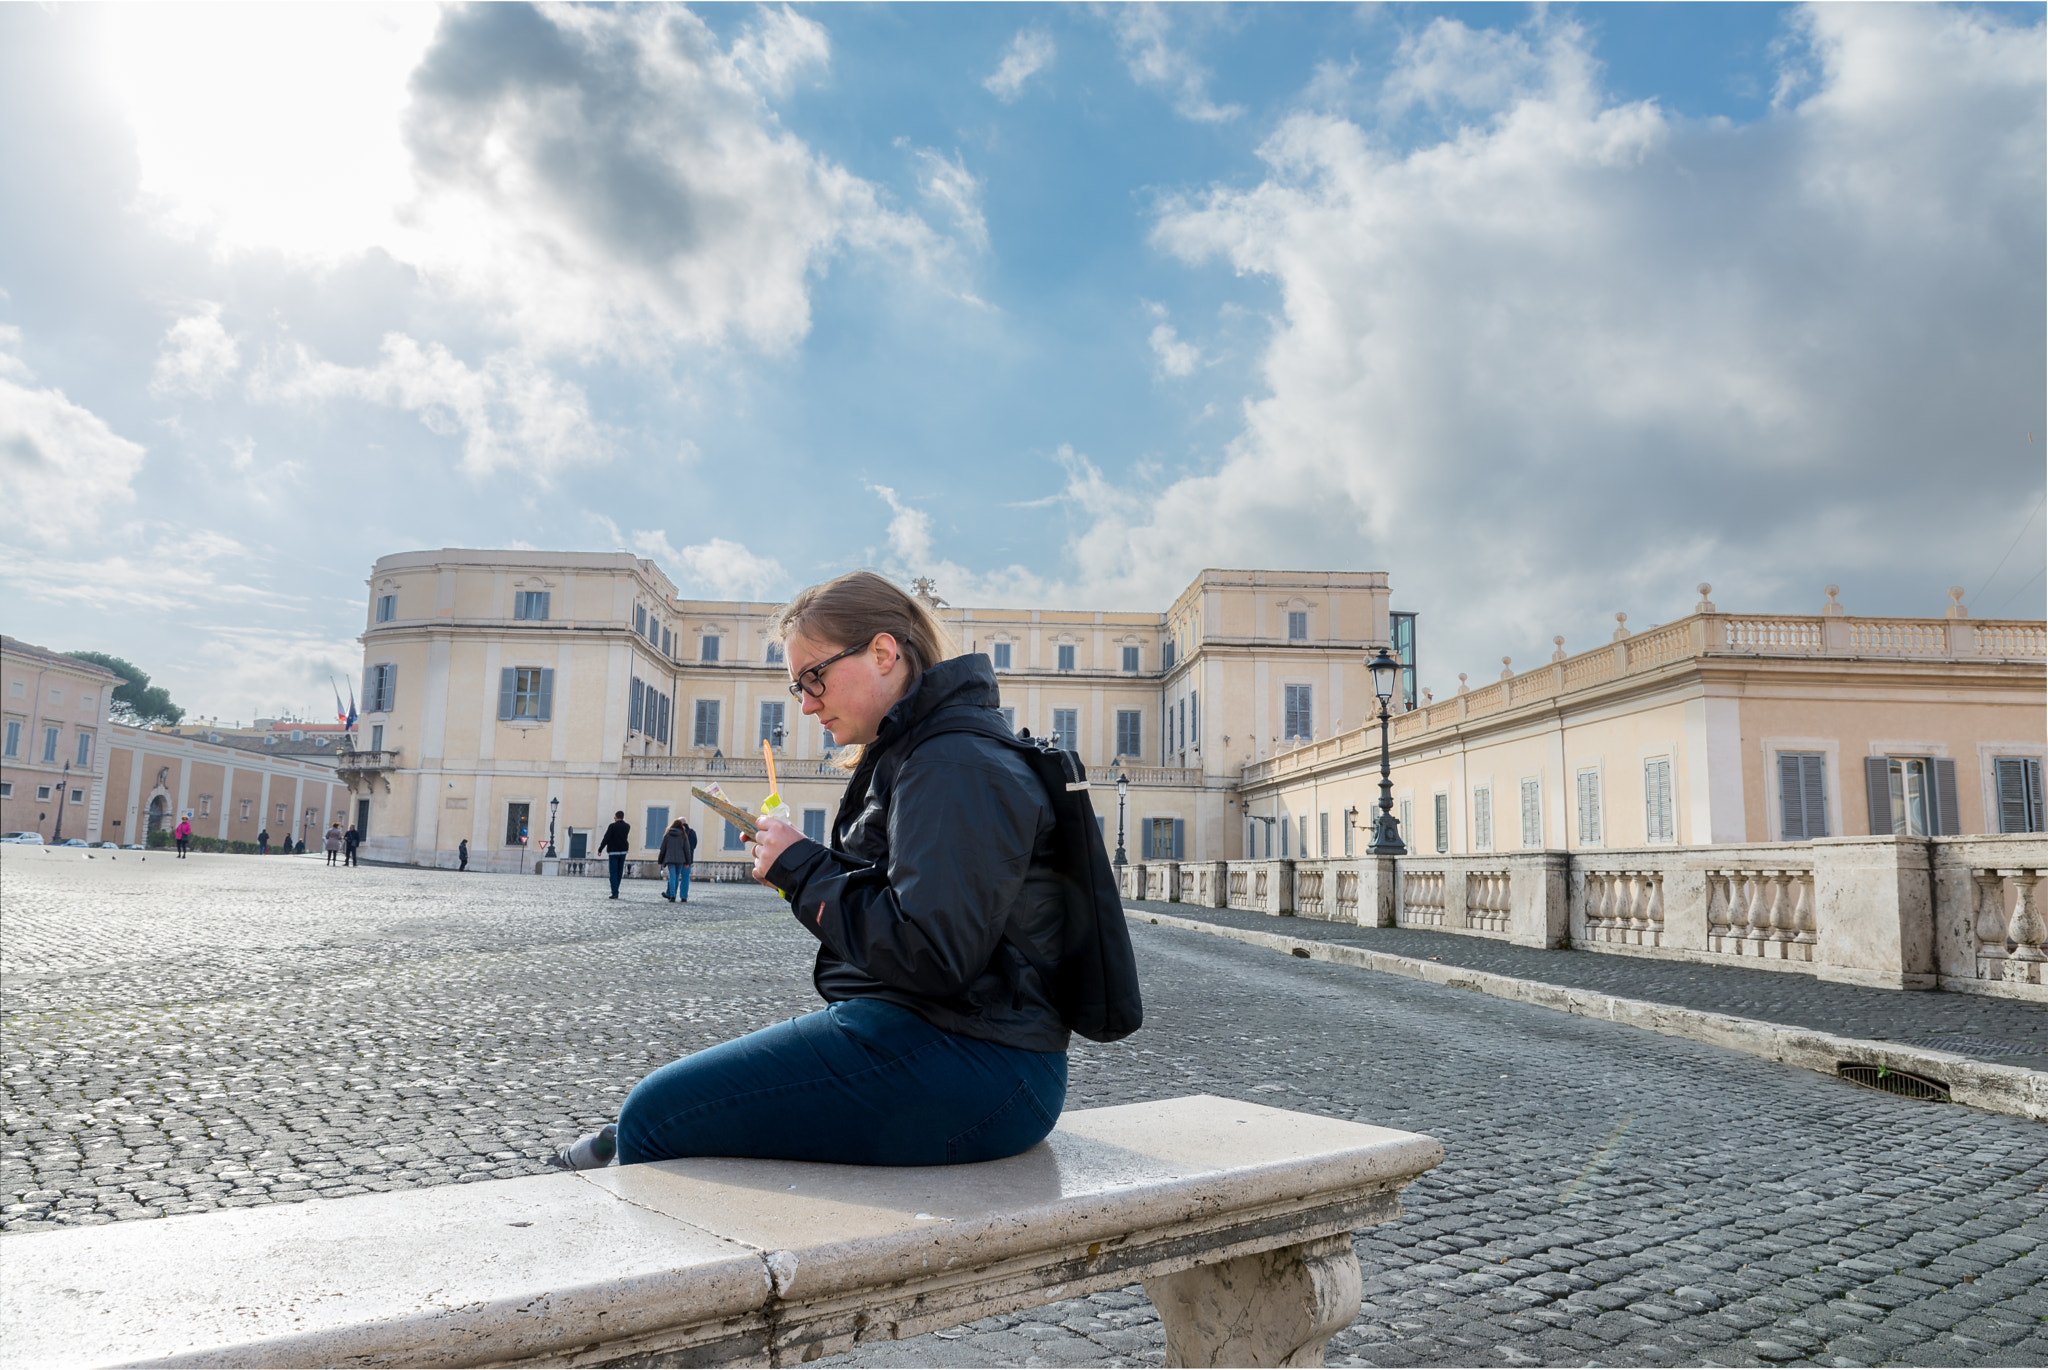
508,694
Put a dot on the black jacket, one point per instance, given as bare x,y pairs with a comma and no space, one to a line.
941,847
678,847
618,837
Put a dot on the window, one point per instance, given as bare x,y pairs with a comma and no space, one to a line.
771,722
380,688
704,732
814,825
636,706
668,643
1350,833
1195,719
1130,740
1915,795
735,840
84,760
1482,818
524,692
387,608
280,813
1166,655
1010,718
772,654
206,806
6,789
42,792
1001,652
1532,813
1300,711
1589,808
78,796
1180,726
707,649
657,827
1407,820
1066,656
1297,625
1066,728
376,737
1286,826
1323,820
1404,652
530,604
13,747
50,745
1443,822
1802,796
1162,839
246,805
640,619
1130,658
2019,793
298,734
1658,821
515,824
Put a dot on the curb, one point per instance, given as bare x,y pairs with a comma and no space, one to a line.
2013,1090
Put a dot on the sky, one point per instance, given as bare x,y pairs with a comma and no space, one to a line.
1551,312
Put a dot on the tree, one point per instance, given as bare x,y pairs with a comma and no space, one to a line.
134,700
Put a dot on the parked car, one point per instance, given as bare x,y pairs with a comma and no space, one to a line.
106,846
135,846
72,842
24,839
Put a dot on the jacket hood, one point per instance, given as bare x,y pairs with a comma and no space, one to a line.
968,681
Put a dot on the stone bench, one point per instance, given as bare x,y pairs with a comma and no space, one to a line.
1235,1216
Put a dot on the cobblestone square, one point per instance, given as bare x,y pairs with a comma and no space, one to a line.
222,1031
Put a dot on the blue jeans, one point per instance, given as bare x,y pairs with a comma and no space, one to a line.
862,1082
679,882
618,872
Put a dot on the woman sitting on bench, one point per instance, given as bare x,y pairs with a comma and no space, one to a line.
939,1043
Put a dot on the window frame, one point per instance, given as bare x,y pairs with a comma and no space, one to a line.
1297,619
705,711
709,648
1660,802
1130,727
524,602
1065,653
387,607
1133,658
999,655
1290,711
1073,716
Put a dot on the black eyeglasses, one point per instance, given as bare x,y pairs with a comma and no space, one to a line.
811,680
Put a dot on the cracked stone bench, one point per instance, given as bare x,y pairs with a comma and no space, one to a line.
1236,1217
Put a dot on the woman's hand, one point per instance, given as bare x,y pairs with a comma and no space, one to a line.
773,838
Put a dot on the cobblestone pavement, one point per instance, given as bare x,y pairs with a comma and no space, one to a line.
227,1031
2006,1030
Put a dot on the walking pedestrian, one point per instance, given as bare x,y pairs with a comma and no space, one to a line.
462,854
940,1043
333,843
617,841
263,842
183,832
678,850
350,840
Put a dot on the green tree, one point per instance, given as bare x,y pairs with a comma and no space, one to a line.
134,700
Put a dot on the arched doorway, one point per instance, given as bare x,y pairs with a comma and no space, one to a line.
158,812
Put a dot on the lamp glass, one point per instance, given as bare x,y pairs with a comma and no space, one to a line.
1123,785
1384,669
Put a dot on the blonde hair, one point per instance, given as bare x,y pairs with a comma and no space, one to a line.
853,609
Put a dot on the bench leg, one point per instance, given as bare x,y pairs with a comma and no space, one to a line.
1272,1308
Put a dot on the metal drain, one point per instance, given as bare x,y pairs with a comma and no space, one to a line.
1901,1082
1964,1045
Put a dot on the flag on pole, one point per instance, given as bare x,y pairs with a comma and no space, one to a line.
339,716
350,721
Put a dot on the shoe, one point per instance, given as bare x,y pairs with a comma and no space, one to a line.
592,1151
615,896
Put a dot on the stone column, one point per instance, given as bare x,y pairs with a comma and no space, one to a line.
1279,887
1271,1308
1873,905
1539,909
1379,891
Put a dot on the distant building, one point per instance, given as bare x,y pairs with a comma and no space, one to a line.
52,751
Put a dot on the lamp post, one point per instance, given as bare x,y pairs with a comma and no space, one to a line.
1123,790
1386,833
63,793
554,806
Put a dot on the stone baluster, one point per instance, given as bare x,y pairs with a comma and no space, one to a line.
1805,933
1600,905
1760,912
1717,911
1738,912
1990,924
1653,910
1784,927
2027,931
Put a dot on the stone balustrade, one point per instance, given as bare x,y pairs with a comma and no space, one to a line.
1959,913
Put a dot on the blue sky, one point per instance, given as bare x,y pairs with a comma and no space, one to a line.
1549,312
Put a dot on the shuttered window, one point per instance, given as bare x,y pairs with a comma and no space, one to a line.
1162,839
771,722
1443,822
640,619
1130,658
1130,738
531,604
1195,719
1300,711
1297,625
1482,819
705,731
1659,824
1913,796
657,827
1406,821
1802,796
1323,820
1532,813
735,840
1066,656
707,649
1001,652
2019,793
387,608
1066,728
1589,808
636,710
380,688
526,692
814,825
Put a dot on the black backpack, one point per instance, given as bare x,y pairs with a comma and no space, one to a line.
1095,982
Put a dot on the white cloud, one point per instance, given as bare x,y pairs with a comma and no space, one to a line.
1577,355
512,412
197,357
1142,33
1176,358
61,466
717,569
181,568
1030,52
947,183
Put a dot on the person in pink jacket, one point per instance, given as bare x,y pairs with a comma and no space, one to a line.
183,832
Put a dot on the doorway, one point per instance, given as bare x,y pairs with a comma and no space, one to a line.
579,844
363,818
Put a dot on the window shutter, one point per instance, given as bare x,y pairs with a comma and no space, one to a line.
508,689
1949,822
1443,822
1532,813
1180,839
2031,768
1813,786
1791,799
388,699
2019,793
547,694
1145,840
633,705
545,596
1195,718
1877,778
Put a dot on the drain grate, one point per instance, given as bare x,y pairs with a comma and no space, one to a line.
1901,1082
1964,1045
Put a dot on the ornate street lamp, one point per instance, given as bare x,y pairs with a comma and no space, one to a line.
1386,832
63,793
554,806
1123,790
